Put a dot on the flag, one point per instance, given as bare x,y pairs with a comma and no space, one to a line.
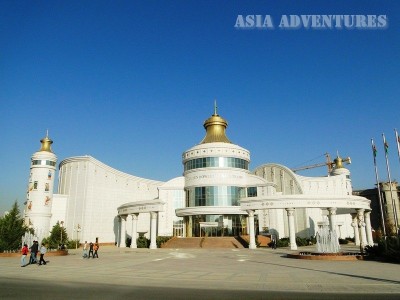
385,144
374,151
386,147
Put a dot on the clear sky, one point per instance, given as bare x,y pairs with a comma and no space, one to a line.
131,83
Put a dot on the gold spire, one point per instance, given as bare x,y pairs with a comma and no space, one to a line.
215,128
46,143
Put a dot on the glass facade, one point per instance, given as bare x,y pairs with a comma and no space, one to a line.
213,196
216,162
219,225
43,162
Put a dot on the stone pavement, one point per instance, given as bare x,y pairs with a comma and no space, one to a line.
197,274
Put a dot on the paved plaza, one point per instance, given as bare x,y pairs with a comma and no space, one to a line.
197,274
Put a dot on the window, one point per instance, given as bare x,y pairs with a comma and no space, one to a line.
221,162
252,191
213,196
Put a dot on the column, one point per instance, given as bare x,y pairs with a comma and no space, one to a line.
153,230
354,224
252,242
332,219
361,225
189,222
292,233
134,230
122,241
368,228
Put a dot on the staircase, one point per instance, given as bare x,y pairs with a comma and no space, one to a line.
204,242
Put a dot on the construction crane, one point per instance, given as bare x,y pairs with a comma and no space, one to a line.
329,163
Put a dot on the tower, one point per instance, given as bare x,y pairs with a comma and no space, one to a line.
216,174
40,189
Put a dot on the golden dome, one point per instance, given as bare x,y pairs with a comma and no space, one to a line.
46,143
215,129
338,162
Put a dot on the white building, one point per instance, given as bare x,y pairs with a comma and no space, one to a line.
217,195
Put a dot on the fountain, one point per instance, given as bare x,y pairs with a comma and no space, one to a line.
328,248
327,241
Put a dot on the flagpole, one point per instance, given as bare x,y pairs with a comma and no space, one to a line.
397,143
386,146
379,189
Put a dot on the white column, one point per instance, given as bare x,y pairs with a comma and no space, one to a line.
252,242
354,224
361,225
367,219
134,230
122,241
153,230
332,219
292,233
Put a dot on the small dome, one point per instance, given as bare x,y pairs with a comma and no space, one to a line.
46,143
215,129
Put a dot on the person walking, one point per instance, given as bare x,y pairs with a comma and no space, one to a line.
34,250
85,250
24,251
43,251
95,248
90,249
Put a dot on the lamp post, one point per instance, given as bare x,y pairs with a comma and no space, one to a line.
78,228
61,225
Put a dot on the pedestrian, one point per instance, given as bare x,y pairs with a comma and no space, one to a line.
43,251
274,243
34,250
85,250
90,249
24,251
95,248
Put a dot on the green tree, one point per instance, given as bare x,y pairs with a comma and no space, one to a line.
58,235
12,228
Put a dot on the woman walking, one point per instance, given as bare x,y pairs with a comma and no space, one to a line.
24,254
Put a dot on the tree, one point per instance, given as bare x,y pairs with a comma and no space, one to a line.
58,235
12,228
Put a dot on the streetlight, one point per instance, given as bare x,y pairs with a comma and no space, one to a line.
78,228
61,224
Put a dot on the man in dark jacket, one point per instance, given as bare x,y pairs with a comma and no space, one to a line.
34,250
91,249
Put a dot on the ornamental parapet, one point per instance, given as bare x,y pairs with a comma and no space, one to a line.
209,210
144,206
305,201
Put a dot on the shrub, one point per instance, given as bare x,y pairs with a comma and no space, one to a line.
388,250
72,244
142,242
302,241
283,242
162,239
343,241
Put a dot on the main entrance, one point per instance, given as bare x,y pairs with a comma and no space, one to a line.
218,225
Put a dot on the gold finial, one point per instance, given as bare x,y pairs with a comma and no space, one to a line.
46,143
215,128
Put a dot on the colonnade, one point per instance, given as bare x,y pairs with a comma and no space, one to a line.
361,224
134,234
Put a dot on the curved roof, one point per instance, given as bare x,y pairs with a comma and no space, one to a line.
286,181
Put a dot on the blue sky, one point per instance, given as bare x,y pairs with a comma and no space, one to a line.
131,83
